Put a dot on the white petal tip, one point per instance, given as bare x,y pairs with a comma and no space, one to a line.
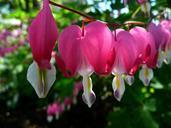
117,96
89,100
146,75
42,96
118,86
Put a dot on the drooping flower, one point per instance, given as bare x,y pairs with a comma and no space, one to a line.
72,61
126,60
98,47
147,52
43,34
84,51
161,37
166,24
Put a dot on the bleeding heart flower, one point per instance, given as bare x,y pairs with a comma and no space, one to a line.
98,47
146,51
126,60
161,37
166,24
43,34
72,61
85,51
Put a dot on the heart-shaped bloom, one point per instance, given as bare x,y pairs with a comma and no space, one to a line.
126,60
147,52
98,47
166,24
84,51
43,34
161,37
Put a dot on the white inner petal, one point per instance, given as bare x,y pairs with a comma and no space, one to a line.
41,80
118,86
88,95
146,75
167,56
160,59
146,7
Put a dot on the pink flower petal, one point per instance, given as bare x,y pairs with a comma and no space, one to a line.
69,49
98,47
145,46
160,35
43,34
126,54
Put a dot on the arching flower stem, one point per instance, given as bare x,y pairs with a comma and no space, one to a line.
90,19
72,10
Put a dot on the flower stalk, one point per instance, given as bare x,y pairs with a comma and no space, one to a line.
89,18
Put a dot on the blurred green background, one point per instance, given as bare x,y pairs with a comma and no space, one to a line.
141,107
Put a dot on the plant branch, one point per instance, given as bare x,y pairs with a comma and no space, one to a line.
72,10
89,18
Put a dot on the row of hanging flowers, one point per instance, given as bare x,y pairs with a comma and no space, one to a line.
94,48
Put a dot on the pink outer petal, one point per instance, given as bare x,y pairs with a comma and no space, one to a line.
151,61
43,34
61,65
145,46
69,49
161,36
126,56
97,46
166,24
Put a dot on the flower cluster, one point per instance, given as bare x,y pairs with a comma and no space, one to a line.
5,41
94,48
57,108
